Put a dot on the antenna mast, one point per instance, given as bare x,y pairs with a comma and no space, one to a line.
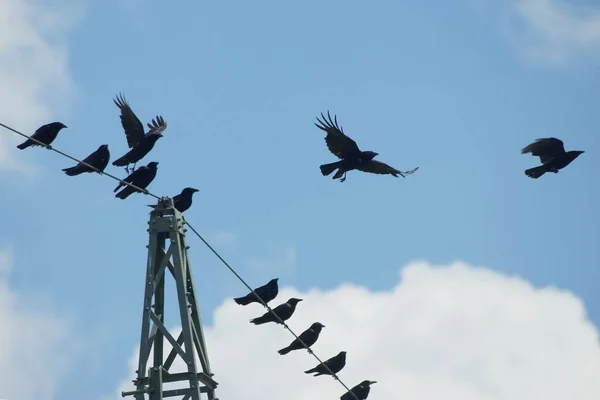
167,224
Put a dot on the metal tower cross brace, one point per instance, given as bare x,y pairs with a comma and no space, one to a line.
167,224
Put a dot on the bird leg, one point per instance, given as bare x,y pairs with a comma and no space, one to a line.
343,178
133,169
127,169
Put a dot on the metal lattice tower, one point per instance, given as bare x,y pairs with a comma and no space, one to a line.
167,224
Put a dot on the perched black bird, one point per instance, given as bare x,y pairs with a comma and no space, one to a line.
45,134
141,177
309,337
139,142
351,157
283,311
552,154
266,292
361,391
183,200
98,159
335,364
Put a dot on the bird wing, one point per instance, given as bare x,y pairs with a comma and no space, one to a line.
158,125
134,129
378,167
337,142
548,147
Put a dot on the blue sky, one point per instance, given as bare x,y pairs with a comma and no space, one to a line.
456,89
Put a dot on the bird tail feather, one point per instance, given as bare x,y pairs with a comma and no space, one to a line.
243,301
123,194
327,169
121,162
284,351
72,171
310,371
536,172
259,320
24,145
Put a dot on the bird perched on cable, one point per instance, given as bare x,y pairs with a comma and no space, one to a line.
283,311
141,177
98,159
361,391
552,154
351,157
309,337
183,200
335,364
267,292
45,134
139,142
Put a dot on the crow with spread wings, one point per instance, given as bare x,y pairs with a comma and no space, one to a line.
552,154
351,157
139,142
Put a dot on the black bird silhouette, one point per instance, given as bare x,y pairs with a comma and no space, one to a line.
139,142
552,154
266,292
98,159
351,157
309,337
141,177
45,134
283,311
183,200
361,391
335,364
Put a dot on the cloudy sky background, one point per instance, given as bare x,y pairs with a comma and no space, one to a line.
464,281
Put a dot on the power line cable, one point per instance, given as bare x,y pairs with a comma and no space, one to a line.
145,191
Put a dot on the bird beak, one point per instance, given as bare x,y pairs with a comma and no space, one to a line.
372,382
300,300
195,190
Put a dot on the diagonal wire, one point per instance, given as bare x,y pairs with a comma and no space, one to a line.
75,159
201,238
268,308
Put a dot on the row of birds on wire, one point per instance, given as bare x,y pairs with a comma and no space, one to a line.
305,340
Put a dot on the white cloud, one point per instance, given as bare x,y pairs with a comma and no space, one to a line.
443,333
34,345
556,32
35,86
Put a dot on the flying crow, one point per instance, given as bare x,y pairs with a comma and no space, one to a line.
266,292
351,157
552,154
141,177
283,311
45,134
139,142
98,159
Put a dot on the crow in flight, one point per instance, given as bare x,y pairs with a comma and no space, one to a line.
552,154
283,311
141,177
361,391
98,159
266,292
45,134
351,157
335,364
309,337
139,142
183,200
